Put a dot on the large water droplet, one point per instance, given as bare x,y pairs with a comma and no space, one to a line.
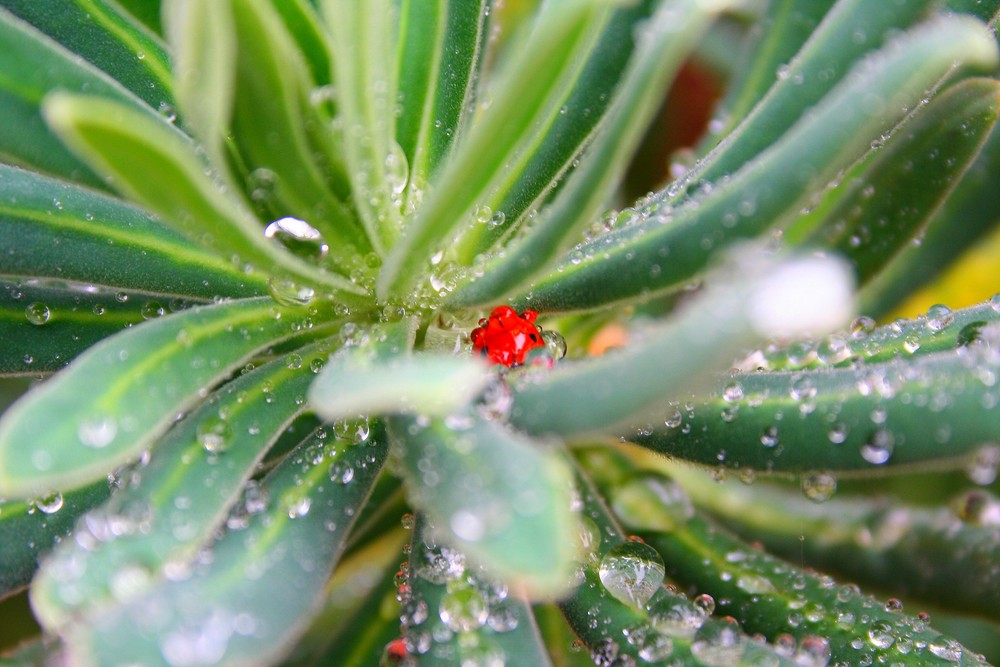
299,237
397,169
939,316
632,572
819,486
49,503
288,292
878,449
37,313
718,643
676,617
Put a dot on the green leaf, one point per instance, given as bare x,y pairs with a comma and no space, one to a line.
270,574
124,392
146,11
765,591
157,166
438,63
925,159
223,441
29,528
469,617
204,58
32,65
45,324
940,329
363,36
771,43
519,104
970,213
304,24
943,556
622,584
272,114
673,358
849,30
663,43
110,39
932,409
667,247
499,497
51,229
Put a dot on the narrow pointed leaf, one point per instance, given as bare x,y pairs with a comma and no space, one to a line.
29,528
44,325
933,409
438,62
662,44
940,329
362,35
622,584
666,248
924,159
671,359
771,43
129,148
204,59
466,616
519,104
223,440
145,11
271,118
502,498
273,571
303,22
32,65
110,39
50,229
123,392
969,214
943,557
765,591
851,29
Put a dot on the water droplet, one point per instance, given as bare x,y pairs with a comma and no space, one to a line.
880,634
440,564
37,313
755,584
397,169
49,503
299,237
862,327
674,419
214,434
878,449
555,344
97,432
718,643
769,438
632,572
939,316
983,464
676,617
297,504
949,650
732,392
288,292
463,608
819,486
341,472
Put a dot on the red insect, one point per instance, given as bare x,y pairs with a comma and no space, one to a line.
506,337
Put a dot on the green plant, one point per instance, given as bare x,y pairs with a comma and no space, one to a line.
249,245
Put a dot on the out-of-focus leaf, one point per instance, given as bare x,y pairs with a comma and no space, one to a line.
110,39
158,166
674,358
29,528
913,174
501,498
460,616
32,65
44,325
519,104
173,511
661,45
50,229
667,247
263,582
849,30
123,392
771,43
932,409
944,557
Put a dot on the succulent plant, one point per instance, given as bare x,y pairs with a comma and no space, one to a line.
272,270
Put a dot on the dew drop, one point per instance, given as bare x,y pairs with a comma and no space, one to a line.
151,310
49,503
676,617
298,236
939,316
289,293
878,449
769,437
632,572
341,472
37,313
819,486
880,634
214,434
983,465
97,432
397,169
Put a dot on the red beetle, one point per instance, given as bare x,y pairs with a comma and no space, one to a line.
506,337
